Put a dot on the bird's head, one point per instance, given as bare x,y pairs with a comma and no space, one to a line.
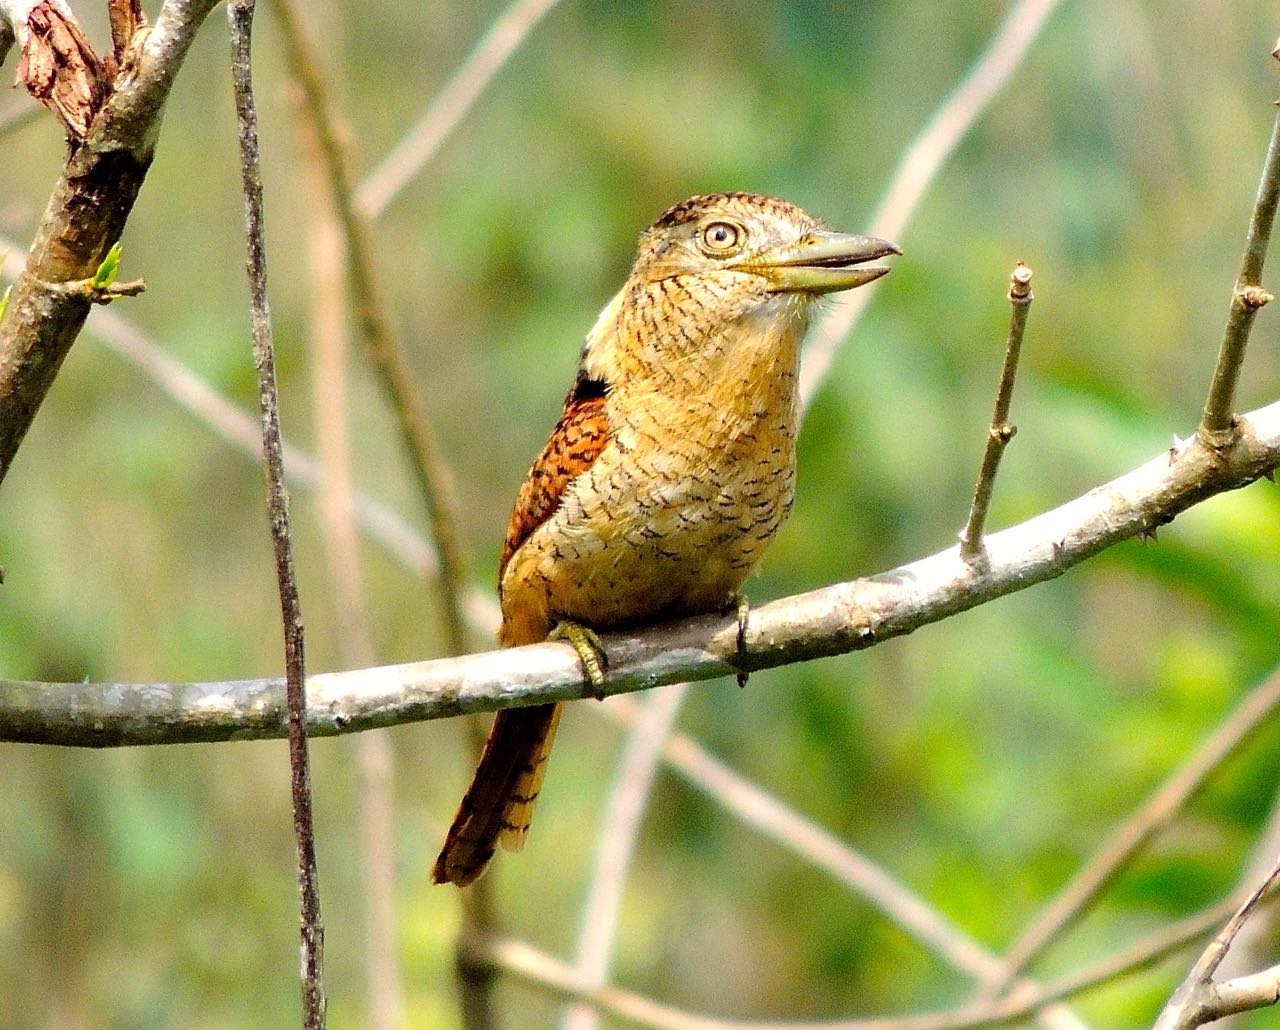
759,244
728,279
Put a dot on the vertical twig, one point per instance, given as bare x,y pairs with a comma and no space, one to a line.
1247,297
1002,430
434,478
240,19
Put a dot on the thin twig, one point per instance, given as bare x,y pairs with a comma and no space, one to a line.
240,19
385,348
1002,430
374,762
1247,298
755,807
616,840
921,162
1198,1000
1139,828
448,107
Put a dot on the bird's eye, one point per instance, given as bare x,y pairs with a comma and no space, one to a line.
720,239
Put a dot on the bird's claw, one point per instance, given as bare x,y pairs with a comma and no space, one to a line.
590,651
740,603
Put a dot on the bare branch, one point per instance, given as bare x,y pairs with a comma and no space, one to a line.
832,620
632,783
1002,430
448,107
374,761
240,18
538,969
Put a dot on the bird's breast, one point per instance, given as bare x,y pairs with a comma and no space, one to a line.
676,511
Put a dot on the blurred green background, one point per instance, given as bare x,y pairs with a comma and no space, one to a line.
980,760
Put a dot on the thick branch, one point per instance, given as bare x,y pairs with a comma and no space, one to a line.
833,620
85,216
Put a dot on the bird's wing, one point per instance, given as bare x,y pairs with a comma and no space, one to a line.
577,440
499,803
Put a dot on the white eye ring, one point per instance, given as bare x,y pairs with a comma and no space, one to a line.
721,238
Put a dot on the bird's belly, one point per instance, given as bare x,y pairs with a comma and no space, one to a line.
640,538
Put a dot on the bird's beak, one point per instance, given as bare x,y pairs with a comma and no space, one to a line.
823,262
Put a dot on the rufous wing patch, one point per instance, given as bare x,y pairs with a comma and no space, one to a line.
577,440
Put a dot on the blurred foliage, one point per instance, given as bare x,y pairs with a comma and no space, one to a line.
980,760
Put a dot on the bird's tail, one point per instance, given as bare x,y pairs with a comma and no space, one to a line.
498,805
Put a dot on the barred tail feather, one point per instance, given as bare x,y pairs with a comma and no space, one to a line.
499,803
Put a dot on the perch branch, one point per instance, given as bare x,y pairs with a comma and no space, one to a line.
240,19
1002,430
832,620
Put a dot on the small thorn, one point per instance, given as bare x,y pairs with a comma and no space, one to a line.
1148,535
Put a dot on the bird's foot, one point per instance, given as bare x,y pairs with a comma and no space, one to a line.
739,603
590,652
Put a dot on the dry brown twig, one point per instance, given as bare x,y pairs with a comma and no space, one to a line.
1114,855
240,20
